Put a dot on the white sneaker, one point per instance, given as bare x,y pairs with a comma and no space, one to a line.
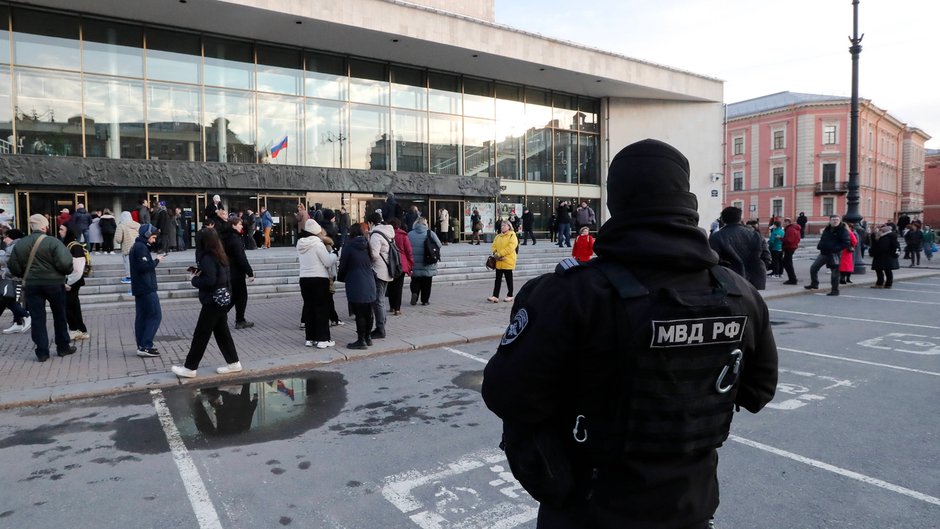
309,343
182,372
79,335
73,335
16,327
27,323
324,345
231,368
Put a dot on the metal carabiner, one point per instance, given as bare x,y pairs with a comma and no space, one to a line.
577,426
737,354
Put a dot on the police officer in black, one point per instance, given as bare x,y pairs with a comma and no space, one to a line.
616,380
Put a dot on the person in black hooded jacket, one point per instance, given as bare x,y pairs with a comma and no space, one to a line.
234,244
579,381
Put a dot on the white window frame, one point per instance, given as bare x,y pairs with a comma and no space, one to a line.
773,139
773,176
734,145
835,134
774,210
828,206
822,168
734,180
738,204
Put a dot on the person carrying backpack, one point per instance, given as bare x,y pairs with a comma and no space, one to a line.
425,267
380,237
73,282
406,252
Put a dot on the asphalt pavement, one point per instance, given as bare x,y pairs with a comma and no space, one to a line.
106,363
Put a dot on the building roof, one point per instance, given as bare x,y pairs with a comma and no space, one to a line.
777,101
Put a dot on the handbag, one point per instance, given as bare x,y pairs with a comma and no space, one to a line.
491,262
9,288
222,297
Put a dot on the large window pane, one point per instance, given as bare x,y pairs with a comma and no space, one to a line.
280,117
113,49
409,88
48,113
542,209
510,132
45,39
565,156
444,93
228,63
410,130
230,126
445,141
174,121
173,56
4,35
327,134
538,161
368,82
368,137
478,98
326,76
479,147
114,118
590,110
588,168
565,112
6,111
280,70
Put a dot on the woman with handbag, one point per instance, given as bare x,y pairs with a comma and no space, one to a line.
21,320
215,295
504,249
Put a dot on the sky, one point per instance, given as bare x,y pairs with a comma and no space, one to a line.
761,47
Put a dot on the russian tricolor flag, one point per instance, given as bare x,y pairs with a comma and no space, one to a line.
281,145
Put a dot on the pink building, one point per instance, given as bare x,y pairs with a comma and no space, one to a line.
788,153
932,188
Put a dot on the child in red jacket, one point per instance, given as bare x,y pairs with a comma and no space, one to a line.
583,246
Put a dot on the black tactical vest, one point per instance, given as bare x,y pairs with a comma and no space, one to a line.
678,360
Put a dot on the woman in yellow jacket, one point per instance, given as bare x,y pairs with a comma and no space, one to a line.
505,246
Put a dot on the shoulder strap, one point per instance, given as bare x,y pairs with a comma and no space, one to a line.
623,280
32,255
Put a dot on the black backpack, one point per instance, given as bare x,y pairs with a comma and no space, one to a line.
432,250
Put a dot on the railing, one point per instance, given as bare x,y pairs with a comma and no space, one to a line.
832,188
5,147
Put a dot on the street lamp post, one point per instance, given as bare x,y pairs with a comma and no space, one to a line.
852,214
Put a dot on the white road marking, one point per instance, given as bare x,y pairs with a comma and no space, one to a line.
457,506
850,318
865,362
205,512
466,355
801,394
921,291
837,470
888,299
916,344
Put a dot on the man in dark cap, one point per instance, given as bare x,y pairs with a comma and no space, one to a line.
741,248
616,380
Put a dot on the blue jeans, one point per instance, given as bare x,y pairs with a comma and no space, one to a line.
36,298
564,230
822,260
147,319
378,306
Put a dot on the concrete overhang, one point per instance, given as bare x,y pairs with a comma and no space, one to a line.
425,37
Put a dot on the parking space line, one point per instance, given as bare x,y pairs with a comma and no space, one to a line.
466,355
865,362
205,512
834,317
837,470
920,291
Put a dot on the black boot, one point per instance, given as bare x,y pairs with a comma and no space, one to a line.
358,344
366,337
414,298
379,332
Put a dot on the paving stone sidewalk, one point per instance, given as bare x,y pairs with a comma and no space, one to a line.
107,364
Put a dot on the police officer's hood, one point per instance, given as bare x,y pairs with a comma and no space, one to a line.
654,217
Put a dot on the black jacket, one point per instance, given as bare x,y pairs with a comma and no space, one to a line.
234,245
528,219
742,249
566,348
563,214
834,240
884,252
214,275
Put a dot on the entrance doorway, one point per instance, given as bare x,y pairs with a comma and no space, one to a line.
284,210
48,203
191,208
455,214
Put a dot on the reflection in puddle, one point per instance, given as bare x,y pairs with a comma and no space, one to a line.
472,380
255,412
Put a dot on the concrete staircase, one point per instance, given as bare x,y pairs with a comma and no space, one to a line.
276,272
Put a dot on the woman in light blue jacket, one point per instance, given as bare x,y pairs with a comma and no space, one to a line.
422,273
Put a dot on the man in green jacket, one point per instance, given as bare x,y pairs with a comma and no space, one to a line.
45,282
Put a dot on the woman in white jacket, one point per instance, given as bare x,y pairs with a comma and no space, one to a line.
315,262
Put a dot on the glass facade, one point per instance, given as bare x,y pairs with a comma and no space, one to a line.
77,86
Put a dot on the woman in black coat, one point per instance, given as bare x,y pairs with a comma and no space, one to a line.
884,251
234,244
212,274
355,269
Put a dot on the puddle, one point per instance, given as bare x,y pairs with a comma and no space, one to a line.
472,380
256,412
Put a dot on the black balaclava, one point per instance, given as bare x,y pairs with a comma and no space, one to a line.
654,217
